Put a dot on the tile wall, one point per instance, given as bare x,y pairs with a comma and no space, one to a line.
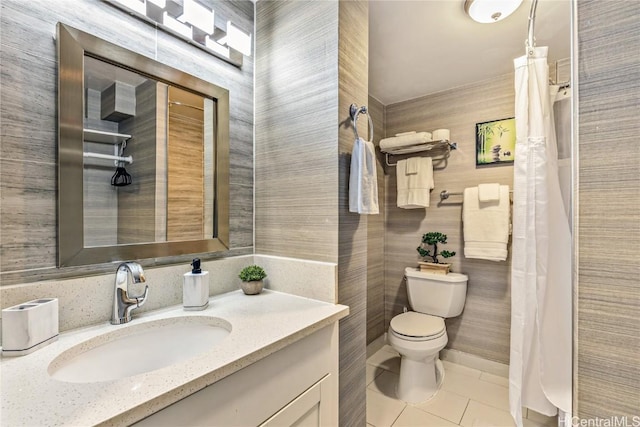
375,236
608,229
353,70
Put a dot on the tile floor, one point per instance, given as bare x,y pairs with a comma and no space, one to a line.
468,398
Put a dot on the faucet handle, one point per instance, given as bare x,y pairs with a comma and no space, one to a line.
143,298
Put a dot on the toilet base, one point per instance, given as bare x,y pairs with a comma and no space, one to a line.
419,380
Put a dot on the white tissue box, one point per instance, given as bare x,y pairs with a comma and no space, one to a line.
29,326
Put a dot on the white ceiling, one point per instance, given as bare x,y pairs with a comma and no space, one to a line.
421,47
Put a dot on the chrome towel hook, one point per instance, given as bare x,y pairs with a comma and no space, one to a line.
354,112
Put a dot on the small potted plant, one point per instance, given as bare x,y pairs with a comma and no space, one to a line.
251,277
433,265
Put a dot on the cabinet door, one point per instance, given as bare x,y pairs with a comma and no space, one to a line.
304,411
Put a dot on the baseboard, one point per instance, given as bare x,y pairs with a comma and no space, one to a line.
453,356
476,362
376,345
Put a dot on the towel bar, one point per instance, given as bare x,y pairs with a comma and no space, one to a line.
444,194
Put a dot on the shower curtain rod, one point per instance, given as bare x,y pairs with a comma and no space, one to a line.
532,23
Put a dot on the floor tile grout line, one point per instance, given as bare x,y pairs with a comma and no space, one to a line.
465,411
438,416
401,412
382,394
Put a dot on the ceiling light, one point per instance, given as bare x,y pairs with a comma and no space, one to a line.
488,11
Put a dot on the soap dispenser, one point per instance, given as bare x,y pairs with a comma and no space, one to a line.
195,289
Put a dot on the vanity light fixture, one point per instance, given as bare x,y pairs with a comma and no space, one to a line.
197,15
238,39
135,5
177,26
194,23
489,11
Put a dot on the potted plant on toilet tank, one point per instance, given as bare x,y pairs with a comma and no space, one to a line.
251,277
428,250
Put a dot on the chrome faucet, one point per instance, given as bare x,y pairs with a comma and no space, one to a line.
123,304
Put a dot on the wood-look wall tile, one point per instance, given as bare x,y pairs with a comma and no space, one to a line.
28,214
28,107
353,66
375,236
608,292
33,28
296,149
241,215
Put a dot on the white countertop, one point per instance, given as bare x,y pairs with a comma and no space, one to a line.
261,325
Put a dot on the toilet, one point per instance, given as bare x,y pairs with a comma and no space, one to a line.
419,335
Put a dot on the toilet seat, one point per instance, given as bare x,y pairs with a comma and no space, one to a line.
417,326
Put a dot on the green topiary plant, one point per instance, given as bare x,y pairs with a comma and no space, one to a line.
433,238
252,273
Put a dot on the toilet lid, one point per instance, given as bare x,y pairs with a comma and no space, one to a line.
414,324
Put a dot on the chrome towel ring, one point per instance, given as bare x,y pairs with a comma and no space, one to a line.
354,112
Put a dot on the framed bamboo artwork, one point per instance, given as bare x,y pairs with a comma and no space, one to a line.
495,142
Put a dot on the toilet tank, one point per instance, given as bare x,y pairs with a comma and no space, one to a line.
440,295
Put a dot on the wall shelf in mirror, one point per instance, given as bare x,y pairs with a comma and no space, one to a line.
92,135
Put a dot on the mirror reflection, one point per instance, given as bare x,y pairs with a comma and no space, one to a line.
148,159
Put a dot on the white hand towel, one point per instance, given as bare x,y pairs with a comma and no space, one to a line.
363,179
486,225
414,189
488,192
405,140
413,164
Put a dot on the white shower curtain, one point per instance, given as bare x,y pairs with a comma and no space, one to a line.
540,360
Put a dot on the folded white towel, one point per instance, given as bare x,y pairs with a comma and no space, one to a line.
414,188
407,140
406,133
363,179
488,192
486,225
413,164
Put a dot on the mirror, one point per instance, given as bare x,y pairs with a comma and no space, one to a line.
143,156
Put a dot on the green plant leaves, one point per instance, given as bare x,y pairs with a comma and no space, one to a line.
252,273
432,238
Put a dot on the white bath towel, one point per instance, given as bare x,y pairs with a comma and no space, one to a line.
363,179
489,192
404,140
414,188
486,225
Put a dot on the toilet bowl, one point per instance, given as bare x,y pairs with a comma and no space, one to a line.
420,335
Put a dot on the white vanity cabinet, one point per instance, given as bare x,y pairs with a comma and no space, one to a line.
295,386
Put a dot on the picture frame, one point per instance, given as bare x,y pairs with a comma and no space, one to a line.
496,142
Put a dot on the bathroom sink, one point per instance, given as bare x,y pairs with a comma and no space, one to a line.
139,348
